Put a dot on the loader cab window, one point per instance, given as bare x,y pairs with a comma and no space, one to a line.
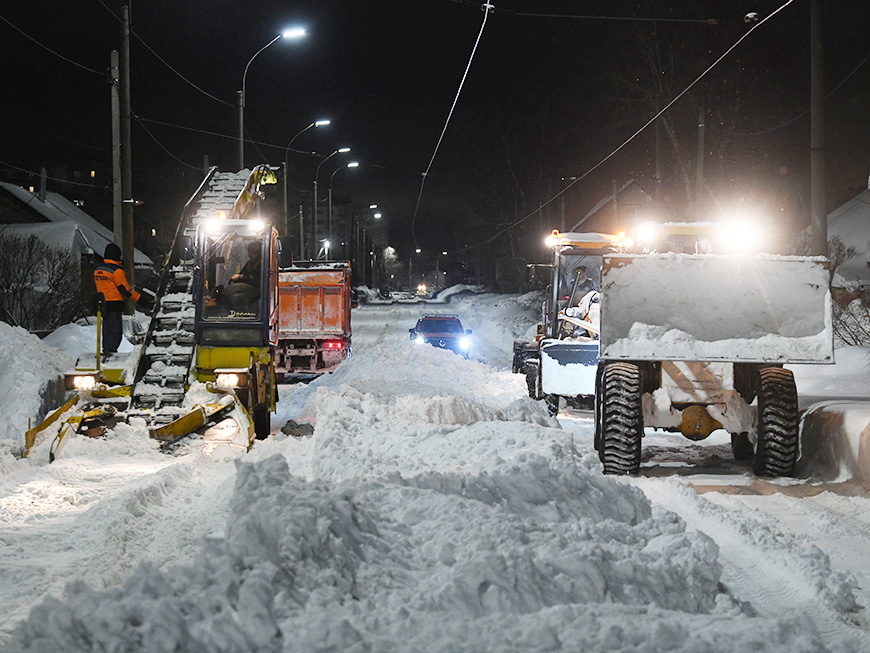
233,277
579,274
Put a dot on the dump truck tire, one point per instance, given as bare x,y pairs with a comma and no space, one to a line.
621,418
741,447
777,448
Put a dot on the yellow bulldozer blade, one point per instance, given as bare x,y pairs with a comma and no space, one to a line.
196,418
74,424
51,418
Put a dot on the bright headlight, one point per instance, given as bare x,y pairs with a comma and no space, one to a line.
647,233
420,340
227,380
84,382
740,237
256,226
464,343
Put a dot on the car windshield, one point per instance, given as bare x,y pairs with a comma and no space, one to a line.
440,326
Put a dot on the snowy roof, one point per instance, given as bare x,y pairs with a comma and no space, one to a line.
57,209
851,224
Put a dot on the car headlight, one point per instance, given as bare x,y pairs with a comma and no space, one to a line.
420,340
464,343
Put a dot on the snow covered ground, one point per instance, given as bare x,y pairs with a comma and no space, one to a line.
435,507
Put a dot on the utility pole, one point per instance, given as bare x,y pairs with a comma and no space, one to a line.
818,203
699,177
126,156
117,220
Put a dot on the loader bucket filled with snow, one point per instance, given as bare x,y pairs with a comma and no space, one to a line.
676,307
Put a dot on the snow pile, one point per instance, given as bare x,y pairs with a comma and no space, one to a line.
443,296
534,554
32,382
409,369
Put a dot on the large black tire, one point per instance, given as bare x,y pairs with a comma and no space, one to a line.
262,421
621,418
533,384
777,448
552,402
741,447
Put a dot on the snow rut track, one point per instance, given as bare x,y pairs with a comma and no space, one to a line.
779,578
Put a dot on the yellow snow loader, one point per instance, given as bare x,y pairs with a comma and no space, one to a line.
209,349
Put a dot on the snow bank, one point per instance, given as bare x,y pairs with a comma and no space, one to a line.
31,384
541,554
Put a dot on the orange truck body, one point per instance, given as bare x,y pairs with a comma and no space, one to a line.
314,333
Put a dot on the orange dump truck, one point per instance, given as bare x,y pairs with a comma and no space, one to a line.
314,301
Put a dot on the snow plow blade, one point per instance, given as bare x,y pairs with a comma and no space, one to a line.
51,418
716,308
194,419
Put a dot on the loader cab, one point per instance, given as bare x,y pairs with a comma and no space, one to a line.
235,284
578,258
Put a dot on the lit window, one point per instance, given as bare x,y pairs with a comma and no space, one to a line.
93,174
153,232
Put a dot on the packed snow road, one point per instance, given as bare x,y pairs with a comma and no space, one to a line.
435,507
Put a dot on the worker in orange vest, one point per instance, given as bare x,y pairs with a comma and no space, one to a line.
110,280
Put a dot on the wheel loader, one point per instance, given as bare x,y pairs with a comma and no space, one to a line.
693,341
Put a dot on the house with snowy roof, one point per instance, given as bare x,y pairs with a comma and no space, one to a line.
57,222
851,224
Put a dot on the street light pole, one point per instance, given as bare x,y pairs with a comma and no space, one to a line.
341,150
287,34
352,164
316,123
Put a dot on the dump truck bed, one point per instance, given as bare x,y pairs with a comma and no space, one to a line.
313,302
763,309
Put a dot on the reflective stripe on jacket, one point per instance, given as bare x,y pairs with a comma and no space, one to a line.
110,280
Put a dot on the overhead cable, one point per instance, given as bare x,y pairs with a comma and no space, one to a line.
487,8
633,136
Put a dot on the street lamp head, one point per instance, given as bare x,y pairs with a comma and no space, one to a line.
376,216
373,206
343,150
293,33
417,250
321,123
353,164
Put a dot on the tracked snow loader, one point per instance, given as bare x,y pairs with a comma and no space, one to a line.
562,360
693,341
209,350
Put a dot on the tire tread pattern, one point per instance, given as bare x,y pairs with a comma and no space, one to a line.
778,419
621,418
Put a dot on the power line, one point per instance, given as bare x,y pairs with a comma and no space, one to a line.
801,115
636,19
486,10
39,174
630,138
163,61
57,54
163,147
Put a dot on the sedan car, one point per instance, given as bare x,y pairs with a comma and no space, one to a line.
444,332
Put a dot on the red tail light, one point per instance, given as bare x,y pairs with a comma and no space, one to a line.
333,344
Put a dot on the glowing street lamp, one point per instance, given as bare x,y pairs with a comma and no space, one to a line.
352,164
316,123
341,150
293,33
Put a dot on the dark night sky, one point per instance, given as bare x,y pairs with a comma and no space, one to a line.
385,72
